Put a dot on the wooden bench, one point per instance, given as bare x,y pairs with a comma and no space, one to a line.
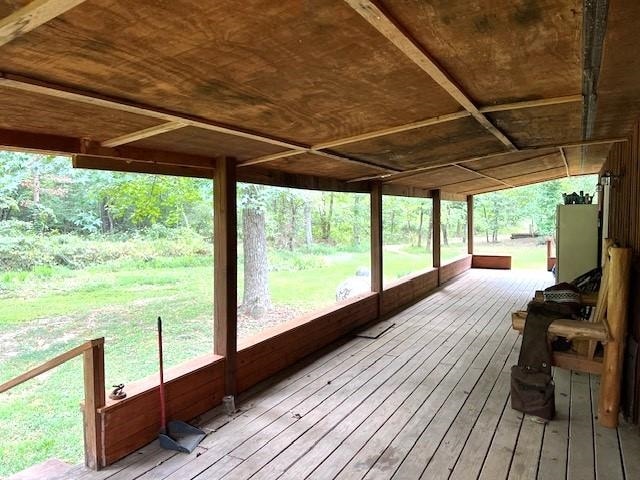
607,325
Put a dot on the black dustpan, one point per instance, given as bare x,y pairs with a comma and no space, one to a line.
176,435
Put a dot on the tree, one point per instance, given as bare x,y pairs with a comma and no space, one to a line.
256,300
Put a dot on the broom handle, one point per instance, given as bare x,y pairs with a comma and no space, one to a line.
163,413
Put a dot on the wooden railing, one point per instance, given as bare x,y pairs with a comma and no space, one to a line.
94,393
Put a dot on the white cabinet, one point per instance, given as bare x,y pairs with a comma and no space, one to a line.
576,240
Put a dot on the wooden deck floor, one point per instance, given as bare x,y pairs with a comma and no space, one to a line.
427,399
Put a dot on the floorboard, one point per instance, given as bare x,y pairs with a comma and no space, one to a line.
428,398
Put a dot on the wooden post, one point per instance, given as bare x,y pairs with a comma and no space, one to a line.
225,253
617,304
94,398
435,218
376,242
470,224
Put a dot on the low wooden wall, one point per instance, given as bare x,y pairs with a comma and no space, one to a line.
455,268
192,388
408,290
197,386
497,262
276,348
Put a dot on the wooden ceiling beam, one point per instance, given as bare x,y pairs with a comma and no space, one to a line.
414,126
476,172
43,88
31,16
132,166
141,134
59,145
416,171
564,159
396,34
541,102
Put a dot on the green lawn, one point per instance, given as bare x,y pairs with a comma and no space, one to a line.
44,313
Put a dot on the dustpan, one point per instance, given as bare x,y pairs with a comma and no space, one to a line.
175,435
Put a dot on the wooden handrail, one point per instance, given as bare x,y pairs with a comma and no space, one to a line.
94,393
48,365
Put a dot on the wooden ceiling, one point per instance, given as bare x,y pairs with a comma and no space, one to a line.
465,96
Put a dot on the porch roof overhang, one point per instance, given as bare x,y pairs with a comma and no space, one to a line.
465,97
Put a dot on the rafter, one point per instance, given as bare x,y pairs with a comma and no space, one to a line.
416,125
390,28
31,16
55,144
564,159
444,163
141,134
57,91
480,174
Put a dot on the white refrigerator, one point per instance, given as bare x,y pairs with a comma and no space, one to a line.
576,240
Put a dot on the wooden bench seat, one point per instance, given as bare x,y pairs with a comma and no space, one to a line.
571,329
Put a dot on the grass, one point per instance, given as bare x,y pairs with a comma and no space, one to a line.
45,312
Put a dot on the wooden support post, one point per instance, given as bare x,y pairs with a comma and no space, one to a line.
617,304
94,398
225,253
435,218
470,224
376,242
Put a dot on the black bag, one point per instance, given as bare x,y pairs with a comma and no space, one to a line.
532,392
532,387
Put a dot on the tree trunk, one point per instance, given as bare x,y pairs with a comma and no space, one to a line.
329,218
356,220
308,237
445,236
36,184
256,300
429,233
420,227
293,219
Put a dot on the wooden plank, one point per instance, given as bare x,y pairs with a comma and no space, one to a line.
390,131
580,461
58,91
553,458
608,461
162,168
564,160
629,436
270,158
432,165
577,362
414,366
94,399
470,232
46,366
388,27
140,134
225,271
32,15
573,329
524,464
542,102
480,174
499,262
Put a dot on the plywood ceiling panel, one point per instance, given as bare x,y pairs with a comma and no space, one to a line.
436,177
207,143
310,164
500,51
448,141
298,70
507,159
533,165
586,160
549,125
43,114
